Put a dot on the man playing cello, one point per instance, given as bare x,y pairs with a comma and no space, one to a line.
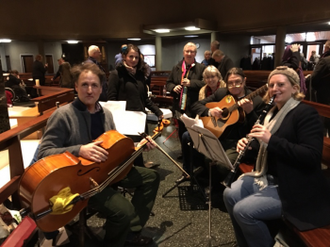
72,128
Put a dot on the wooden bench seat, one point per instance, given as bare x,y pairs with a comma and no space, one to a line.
156,87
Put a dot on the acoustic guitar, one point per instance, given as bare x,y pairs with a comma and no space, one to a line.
231,114
48,176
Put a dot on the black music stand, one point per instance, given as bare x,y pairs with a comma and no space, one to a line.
208,144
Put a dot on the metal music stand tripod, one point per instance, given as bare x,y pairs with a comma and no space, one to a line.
208,144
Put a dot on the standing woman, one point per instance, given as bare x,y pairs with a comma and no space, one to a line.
288,179
128,83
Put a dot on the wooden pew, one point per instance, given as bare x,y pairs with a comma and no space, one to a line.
158,81
52,95
257,78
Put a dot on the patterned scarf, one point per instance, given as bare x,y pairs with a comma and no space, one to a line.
272,125
130,70
184,90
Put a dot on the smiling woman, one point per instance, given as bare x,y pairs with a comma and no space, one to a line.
128,83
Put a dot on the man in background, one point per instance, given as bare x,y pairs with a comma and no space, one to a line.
94,54
64,73
215,45
225,62
39,70
320,81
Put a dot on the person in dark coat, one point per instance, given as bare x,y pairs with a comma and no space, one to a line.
225,62
292,59
184,83
39,70
128,83
287,179
320,81
64,73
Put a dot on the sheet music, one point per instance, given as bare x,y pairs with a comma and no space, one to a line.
206,142
127,122
191,121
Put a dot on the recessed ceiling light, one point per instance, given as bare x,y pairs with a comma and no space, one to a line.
191,36
329,23
134,39
5,40
192,28
162,30
72,41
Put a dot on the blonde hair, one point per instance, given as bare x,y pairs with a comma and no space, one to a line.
211,70
190,44
293,79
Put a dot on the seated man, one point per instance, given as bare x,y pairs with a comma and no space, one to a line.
72,128
15,83
251,109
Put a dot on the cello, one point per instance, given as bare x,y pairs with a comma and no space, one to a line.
49,176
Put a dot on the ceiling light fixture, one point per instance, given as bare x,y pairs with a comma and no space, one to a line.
72,41
329,23
192,28
161,30
5,40
191,36
134,39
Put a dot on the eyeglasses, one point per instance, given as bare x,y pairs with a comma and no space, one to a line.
234,84
190,51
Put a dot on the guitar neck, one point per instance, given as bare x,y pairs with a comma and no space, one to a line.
250,96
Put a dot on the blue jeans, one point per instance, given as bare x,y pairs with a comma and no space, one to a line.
249,207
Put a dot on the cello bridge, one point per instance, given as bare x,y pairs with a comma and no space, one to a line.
93,183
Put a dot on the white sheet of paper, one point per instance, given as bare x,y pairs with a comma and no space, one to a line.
127,122
205,141
188,122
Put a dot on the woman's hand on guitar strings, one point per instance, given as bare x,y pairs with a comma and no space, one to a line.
247,105
94,152
261,133
215,112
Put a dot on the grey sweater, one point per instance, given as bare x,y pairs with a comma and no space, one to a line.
68,128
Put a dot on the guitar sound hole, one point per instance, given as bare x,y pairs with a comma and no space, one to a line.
225,113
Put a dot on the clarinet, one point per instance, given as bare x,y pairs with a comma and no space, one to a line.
230,177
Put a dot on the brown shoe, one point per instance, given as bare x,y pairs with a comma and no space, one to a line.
138,240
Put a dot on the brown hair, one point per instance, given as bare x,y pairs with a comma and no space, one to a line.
86,67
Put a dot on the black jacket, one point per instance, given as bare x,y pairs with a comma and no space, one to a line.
196,83
130,88
294,155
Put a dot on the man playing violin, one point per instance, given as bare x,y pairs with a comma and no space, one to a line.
236,87
73,128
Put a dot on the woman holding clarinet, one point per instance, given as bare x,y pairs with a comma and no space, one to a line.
287,179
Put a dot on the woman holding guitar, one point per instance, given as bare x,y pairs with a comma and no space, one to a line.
73,128
216,105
